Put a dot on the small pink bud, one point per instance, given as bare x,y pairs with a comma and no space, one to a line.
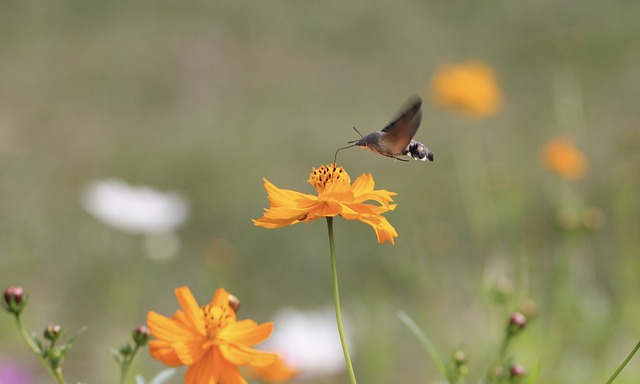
52,332
141,335
517,322
15,299
517,370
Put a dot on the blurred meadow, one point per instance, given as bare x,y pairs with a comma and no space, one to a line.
206,98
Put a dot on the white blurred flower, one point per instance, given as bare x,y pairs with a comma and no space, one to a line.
308,341
134,209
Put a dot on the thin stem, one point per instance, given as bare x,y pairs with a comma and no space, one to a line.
624,364
127,363
426,343
492,374
336,299
56,373
478,198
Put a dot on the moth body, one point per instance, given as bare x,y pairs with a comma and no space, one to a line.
396,138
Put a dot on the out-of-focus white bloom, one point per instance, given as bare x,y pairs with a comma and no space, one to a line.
161,378
133,209
308,341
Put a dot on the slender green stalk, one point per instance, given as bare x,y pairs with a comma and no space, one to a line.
426,343
491,375
336,299
478,198
624,364
55,373
499,361
127,363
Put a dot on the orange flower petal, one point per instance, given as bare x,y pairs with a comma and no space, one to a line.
324,209
278,371
363,184
221,298
279,217
247,332
241,355
384,230
284,197
207,371
355,211
229,372
191,308
162,351
189,352
166,328
363,191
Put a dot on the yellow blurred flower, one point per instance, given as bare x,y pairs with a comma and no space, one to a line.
336,196
208,339
470,88
561,156
277,372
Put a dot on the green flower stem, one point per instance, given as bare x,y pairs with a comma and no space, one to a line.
55,373
499,361
336,299
624,364
426,343
127,363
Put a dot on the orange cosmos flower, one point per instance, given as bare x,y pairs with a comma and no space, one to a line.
336,196
208,339
470,88
561,156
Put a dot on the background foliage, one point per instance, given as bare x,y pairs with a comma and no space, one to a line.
209,97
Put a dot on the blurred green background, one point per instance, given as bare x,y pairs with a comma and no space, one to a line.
207,98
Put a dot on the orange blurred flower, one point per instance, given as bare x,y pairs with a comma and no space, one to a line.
470,88
276,372
561,156
336,196
208,339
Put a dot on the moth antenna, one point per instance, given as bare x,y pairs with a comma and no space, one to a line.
335,158
353,141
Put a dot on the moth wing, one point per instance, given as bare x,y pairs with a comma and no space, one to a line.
399,132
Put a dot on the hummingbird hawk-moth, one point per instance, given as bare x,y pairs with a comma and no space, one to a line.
396,138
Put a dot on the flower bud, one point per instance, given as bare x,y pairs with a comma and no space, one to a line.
459,357
460,366
15,299
52,332
234,303
517,322
125,349
141,335
517,370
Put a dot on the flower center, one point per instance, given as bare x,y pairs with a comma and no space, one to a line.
217,318
320,177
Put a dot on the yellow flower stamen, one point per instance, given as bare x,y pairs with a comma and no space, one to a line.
216,318
320,177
